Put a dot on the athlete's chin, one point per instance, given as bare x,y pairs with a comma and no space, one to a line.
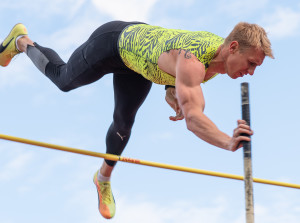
235,75
232,76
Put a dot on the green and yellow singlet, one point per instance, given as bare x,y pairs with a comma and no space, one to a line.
141,45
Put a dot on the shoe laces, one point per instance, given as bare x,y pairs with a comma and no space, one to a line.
106,192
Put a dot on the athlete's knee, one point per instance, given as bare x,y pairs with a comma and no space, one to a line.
123,129
65,88
124,125
56,74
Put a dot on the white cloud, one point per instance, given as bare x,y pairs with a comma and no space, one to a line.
180,212
277,212
283,22
130,10
45,8
16,162
237,8
49,167
133,210
17,72
65,41
75,6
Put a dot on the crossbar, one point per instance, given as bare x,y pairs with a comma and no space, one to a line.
143,162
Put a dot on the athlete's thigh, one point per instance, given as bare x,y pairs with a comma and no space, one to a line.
130,91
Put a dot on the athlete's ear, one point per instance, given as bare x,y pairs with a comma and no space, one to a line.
234,47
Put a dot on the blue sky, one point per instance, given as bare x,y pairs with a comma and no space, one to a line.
44,185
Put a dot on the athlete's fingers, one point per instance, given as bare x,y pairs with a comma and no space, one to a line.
176,118
239,131
238,142
172,118
244,126
179,118
241,121
243,138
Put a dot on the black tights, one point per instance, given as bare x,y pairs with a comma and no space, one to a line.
92,60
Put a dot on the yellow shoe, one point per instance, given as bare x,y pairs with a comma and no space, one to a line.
8,47
106,202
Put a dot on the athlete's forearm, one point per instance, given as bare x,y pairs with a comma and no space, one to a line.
206,130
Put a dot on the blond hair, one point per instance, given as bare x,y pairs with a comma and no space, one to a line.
250,35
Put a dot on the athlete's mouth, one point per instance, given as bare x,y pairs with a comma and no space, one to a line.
242,74
239,74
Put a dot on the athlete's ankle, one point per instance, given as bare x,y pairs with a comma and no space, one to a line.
23,42
102,178
106,170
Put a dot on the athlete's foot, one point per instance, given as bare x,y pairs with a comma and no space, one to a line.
8,48
106,202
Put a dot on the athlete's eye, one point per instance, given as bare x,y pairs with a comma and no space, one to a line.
252,64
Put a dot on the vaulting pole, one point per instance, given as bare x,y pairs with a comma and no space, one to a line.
247,157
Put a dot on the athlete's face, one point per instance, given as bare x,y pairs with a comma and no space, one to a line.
240,63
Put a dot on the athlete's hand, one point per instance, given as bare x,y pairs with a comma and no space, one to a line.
235,142
173,102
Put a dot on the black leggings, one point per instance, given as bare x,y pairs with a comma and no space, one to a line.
92,60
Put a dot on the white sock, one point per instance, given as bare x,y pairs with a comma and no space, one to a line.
17,41
102,178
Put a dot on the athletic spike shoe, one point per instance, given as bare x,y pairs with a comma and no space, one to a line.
8,48
106,202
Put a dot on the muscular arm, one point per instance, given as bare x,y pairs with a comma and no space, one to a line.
190,73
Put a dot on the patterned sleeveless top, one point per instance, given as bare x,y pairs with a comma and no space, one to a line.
141,45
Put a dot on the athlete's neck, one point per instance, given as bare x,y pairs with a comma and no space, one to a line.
217,64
